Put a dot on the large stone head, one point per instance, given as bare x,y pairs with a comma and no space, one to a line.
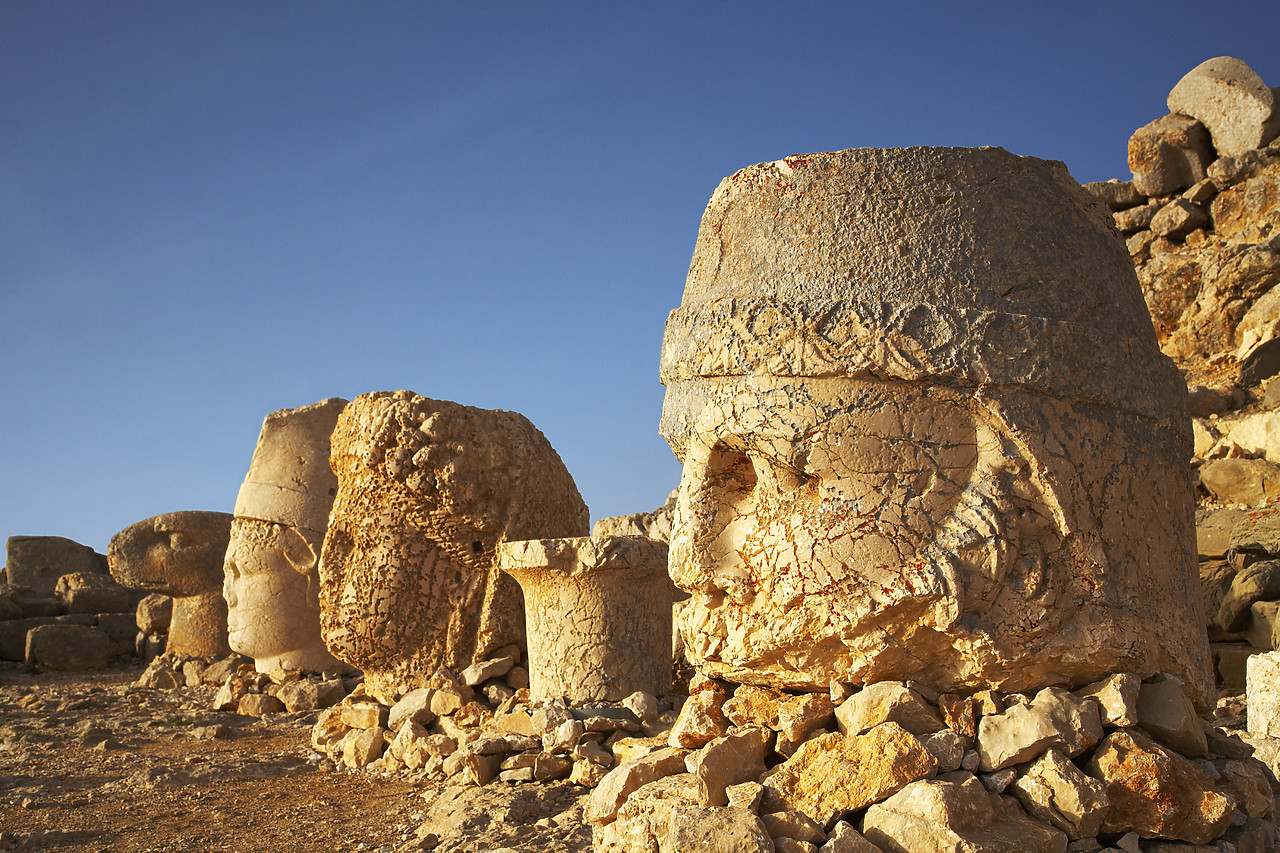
179,554
271,572
426,490
926,432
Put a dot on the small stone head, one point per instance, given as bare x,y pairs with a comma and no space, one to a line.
926,431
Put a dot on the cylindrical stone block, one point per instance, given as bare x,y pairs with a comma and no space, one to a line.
597,615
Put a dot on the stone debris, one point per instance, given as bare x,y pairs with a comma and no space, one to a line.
426,490
1228,98
36,562
180,554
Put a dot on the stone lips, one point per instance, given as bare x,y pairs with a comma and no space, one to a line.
427,489
999,280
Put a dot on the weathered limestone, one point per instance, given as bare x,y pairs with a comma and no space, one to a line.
1055,719
1168,155
948,815
1230,99
426,490
63,646
92,592
597,615
180,554
271,572
915,445
1262,687
38,561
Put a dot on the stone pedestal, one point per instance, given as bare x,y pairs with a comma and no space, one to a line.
597,615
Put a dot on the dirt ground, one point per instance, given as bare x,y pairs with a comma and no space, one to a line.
90,762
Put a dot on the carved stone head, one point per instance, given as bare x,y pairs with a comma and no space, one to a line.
271,571
426,491
926,432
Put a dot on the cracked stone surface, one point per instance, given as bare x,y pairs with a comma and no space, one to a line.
426,490
915,445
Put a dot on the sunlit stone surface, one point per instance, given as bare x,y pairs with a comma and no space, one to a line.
926,432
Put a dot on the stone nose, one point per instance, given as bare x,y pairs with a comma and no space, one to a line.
713,513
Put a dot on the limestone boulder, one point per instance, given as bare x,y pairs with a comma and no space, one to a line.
1178,218
1262,689
793,717
833,773
1169,154
1241,481
38,561
426,490
1258,532
730,760
1230,99
843,314
63,646
1156,792
1054,719
1054,790
887,702
92,592
843,838
154,613
620,782
956,816
664,816
1165,713
1258,581
1117,698
180,554
1250,210
653,525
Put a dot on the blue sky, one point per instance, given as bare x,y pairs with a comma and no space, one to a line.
215,210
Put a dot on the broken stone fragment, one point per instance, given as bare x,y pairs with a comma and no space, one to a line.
1168,155
793,825
946,815
730,760
664,815
701,720
67,647
887,702
843,838
1055,718
1156,792
1117,698
1166,714
613,790
1054,790
834,773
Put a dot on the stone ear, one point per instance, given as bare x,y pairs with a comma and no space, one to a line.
297,550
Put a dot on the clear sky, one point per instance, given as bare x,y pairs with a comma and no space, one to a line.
212,210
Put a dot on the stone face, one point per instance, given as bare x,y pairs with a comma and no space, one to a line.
597,614
1231,100
271,570
38,561
426,490
1168,155
1155,792
832,773
68,647
1054,719
944,816
180,554
897,360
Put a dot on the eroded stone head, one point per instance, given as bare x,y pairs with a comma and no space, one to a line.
271,571
927,432
180,554
426,490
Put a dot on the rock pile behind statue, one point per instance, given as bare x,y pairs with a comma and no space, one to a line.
426,490
272,578
180,554
926,432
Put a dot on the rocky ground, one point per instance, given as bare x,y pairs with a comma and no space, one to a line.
90,762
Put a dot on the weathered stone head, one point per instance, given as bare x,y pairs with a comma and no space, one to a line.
426,490
272,575
180,554
926,432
